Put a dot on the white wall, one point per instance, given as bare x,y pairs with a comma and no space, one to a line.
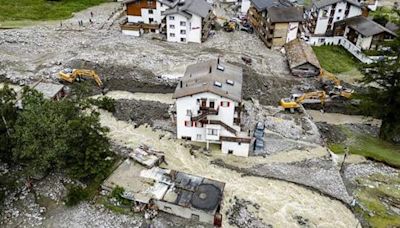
245,6
176,22
292,31
193,29
190,102
184,212
239,149
364,42
131,32
339,14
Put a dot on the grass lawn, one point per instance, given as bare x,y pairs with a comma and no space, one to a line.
369,147
335,59
40,10
379,195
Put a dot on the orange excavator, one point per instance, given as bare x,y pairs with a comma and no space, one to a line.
72,75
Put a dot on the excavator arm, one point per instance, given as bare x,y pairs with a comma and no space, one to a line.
70,75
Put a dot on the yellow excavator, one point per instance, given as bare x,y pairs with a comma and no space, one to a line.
338,90
72,75
294,102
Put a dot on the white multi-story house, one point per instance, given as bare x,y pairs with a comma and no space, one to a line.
209,106
188,21
182,21
320,18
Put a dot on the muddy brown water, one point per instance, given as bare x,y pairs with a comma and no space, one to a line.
280,201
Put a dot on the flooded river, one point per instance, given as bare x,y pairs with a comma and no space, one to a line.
280,201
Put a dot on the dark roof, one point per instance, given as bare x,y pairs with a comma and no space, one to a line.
365,26
286,14
265,4
189,7
206,197
392,26
206,77
322,3
299,53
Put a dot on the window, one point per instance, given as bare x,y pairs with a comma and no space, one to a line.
183,32
212,132
171,18
183,23
188,123
212,104
230,151
150,11
340,10
225,103
151,20
183,39
337,18
172,34
198,137
171,26
189,112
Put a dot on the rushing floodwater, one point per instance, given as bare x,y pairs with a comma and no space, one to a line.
280,201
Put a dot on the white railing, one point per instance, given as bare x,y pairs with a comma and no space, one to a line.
340,40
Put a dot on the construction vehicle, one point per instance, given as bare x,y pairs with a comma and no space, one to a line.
337,90
295,101
72,75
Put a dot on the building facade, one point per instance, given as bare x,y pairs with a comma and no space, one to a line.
276,22
188,21
209,108
363,32
320,18
181,21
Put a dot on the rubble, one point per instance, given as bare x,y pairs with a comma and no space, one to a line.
239,215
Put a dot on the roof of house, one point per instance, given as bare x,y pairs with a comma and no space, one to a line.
222,79
365,26
174,187
285,14
322,3
299,53
188,7
49,90
265,4
392,26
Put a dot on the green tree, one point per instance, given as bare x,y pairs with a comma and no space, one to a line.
382,96
60,136
8,116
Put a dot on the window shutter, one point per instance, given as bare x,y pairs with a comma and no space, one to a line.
228,103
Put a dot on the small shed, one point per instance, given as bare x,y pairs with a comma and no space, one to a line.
302,60
51,91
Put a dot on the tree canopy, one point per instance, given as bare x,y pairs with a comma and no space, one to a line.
382,96
47,135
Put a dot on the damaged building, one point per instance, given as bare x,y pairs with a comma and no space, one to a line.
171,191
180,21
301,58
209,106
276,22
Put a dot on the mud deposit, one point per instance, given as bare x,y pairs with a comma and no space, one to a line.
141,112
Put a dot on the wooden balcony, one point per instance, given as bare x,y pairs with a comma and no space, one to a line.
138,26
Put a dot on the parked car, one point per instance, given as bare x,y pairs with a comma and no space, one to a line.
259,144
259,131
